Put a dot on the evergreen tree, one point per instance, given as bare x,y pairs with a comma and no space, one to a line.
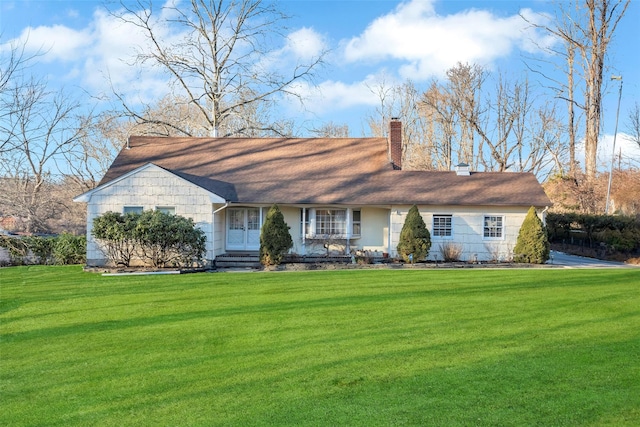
532,245
275,239
415,239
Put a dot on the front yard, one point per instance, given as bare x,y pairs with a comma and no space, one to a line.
355,347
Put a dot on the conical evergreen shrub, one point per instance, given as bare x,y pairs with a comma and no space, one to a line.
415,239
532,245
275,239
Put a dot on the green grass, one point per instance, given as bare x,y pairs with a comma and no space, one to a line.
543,347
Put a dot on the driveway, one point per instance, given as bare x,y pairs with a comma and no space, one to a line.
574,261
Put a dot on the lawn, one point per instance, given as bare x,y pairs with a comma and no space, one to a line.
545,347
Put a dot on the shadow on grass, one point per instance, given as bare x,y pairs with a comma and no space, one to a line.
582,384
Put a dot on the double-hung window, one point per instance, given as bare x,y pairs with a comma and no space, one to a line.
331,222
132,209
442,226
341,223
171,210
493,226
356,224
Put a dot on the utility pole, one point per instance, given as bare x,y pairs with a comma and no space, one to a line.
613,152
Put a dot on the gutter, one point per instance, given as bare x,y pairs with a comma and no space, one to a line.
213,230
543,214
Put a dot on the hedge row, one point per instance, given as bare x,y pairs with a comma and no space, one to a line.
620,233
62,249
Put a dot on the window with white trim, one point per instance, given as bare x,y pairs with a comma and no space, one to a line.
493,226
331,222
132,209
356,223
166,209
442,226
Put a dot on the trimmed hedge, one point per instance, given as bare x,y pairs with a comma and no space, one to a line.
618,232
63,249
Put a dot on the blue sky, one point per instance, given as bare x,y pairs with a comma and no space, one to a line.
368,39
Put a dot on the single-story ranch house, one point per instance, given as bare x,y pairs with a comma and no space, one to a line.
345,193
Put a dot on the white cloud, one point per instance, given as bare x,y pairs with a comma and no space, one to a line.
101,53
625,147
300,47
332,96
305,43
55,43
427,44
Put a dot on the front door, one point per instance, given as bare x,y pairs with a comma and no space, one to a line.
243,229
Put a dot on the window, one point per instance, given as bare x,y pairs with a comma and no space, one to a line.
319,223
331,221
356,228
132,209
166,209
493,226
442,225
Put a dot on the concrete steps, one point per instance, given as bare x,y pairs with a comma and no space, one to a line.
238,261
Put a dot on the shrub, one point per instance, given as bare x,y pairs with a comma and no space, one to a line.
275,239
165,239
158,239
450,251
17,248
70,249
532,245
40,249
415,239
114,234
619,232
63,249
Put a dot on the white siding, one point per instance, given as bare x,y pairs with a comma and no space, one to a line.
375,230
150,188
467,230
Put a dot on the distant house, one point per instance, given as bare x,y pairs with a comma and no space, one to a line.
8,224
347,193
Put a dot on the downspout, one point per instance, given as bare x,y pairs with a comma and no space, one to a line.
543,214
213,230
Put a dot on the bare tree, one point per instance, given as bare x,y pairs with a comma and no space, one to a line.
42,128
439,112
602,19
13,64
402,101
332,130
633,124
218,65
465,83
586,31
99,140
564,30
542,146
507,129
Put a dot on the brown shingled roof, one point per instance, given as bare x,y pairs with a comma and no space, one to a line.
318,170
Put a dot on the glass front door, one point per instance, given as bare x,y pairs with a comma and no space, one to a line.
243,229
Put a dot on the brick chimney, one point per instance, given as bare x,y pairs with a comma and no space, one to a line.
395,143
